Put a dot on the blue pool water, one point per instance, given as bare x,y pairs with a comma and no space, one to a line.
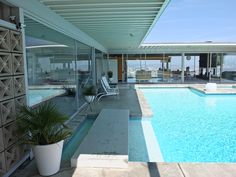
192,127
137,146
70,147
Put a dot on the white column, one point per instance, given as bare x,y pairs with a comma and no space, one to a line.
182,68
93,63
76,74
21,14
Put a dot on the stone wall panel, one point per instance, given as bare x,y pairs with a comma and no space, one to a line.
6,88
9,134
1,140
11,156
16,41
5,39
5,64
3,168
12,96
7,111
20,101
19,85
17,64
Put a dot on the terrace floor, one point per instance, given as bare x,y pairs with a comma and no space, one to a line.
129,98
133,100
151,169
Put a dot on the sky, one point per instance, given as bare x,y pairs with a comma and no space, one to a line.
196,21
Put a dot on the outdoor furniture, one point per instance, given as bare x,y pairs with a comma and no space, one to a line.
108,86
166,75
143,75
107,90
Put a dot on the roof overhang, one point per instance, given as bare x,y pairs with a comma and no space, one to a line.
149,48
42,14
116,24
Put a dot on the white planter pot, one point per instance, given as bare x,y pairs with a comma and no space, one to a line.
48,158
89,99
111,79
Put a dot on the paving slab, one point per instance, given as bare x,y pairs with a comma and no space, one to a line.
169,170
208,169
106,144
129,98
135,169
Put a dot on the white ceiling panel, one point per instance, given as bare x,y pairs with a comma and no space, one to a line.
116,24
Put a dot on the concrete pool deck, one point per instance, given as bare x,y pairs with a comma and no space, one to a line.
106,144
137,169
129,98
221,89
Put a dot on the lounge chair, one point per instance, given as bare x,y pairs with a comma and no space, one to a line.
104,79
107,90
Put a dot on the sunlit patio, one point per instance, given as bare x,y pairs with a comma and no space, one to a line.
98,81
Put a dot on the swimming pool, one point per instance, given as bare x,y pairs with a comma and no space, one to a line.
77,138
192,127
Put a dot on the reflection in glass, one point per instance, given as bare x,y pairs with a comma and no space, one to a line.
83,69
228,68
50,67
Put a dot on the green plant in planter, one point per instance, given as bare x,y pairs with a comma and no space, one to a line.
42,125
109,74
89,91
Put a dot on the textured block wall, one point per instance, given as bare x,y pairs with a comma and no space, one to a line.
12,95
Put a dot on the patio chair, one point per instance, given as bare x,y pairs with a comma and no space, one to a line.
104,79
107,90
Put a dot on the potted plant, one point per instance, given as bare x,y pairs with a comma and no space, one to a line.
110,75
89,93
43,127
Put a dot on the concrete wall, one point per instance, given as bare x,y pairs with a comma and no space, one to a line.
12,95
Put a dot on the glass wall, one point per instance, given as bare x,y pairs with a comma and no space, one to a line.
57,67
229,67
83,69
175,68
105,61
191,69
99,65
154,68
167,68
